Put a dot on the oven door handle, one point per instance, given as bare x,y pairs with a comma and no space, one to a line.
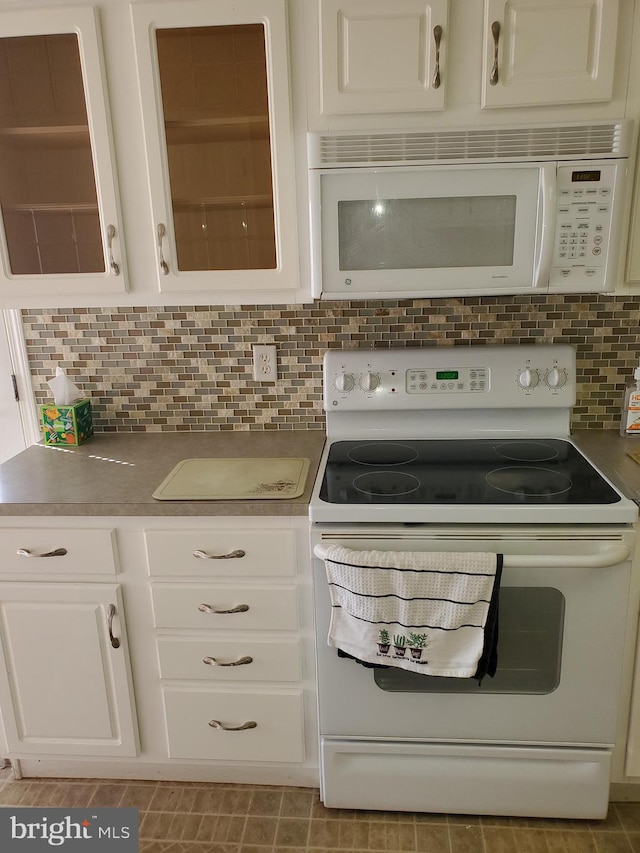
610,555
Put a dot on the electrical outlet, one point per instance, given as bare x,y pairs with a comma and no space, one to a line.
265,366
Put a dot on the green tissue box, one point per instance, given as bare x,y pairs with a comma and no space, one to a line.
67,425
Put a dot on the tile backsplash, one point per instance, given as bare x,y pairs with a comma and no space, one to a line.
190,368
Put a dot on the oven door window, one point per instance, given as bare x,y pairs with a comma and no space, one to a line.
531,624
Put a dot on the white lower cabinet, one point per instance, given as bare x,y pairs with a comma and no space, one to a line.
64,683
234,726
150,648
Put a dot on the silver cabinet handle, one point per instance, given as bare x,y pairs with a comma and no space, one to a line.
495,32
232,555
216,724
111,612
162,232
239,662
113,266
24,552
207,608
437,37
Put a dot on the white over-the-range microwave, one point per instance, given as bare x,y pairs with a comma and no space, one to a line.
467,212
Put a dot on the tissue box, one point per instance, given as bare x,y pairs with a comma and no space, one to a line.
67,425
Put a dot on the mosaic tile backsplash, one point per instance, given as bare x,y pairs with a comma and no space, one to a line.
190,368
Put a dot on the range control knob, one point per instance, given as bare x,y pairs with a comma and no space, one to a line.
556,377
345,382
528,378
370,381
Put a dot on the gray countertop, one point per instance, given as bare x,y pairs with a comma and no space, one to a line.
115,474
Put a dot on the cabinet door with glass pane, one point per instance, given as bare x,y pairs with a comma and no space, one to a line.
215,102
60,230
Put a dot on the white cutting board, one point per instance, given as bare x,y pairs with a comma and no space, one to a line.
234,479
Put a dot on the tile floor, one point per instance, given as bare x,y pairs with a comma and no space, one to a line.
218,818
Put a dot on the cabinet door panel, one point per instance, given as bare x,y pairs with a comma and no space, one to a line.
548,52
379,57
58,190
214,93
64,688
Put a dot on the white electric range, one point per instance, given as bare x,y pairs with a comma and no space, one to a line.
468,448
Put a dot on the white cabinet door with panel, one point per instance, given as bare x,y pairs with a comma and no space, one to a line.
64,680
383,57
546,52
61,225
214,95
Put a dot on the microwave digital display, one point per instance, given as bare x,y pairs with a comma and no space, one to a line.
590,175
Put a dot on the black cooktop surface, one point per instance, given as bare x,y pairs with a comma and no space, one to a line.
462,471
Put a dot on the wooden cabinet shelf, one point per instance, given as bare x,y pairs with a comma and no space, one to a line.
198,130
80,207
223,203
52,136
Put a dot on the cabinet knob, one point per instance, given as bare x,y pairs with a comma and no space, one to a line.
243,661
207,608
216,724
232,555
495,32
58,552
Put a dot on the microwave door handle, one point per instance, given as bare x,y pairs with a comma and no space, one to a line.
546,226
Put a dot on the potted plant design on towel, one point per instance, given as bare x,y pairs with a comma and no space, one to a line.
399,645
417,643
384,641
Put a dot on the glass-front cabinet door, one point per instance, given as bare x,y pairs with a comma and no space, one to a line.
60,230
215,103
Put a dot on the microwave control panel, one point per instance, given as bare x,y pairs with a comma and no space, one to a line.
585,223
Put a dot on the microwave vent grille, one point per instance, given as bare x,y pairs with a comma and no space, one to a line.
568,142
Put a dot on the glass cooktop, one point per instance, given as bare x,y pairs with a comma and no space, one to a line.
478,471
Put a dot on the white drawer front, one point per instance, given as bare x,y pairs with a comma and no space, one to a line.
277,736
258,553
82,552
242,659
193,606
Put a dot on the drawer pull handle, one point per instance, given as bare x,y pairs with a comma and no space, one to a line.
161,232
113,266
111,612
59,552
216,724
240,662
207,608
232,555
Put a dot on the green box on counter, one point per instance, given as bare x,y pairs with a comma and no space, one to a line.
67,425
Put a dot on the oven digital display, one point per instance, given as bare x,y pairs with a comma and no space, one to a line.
445,375
586,175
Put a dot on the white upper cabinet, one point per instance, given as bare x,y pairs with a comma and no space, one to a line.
214,97
545,52
383,57
61,227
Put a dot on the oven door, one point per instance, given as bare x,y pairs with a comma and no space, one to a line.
563,601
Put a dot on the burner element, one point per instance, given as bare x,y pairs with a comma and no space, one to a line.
528,481
387,483
527,451
382,453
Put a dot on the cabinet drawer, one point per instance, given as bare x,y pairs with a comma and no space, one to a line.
267,608
86,552
209,553
277,735
241,659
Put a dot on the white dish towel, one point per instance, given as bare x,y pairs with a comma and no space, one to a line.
421,611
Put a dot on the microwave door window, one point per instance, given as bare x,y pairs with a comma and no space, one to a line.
426,233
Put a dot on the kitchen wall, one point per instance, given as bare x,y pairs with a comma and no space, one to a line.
189,368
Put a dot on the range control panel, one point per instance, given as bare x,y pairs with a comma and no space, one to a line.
480,377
